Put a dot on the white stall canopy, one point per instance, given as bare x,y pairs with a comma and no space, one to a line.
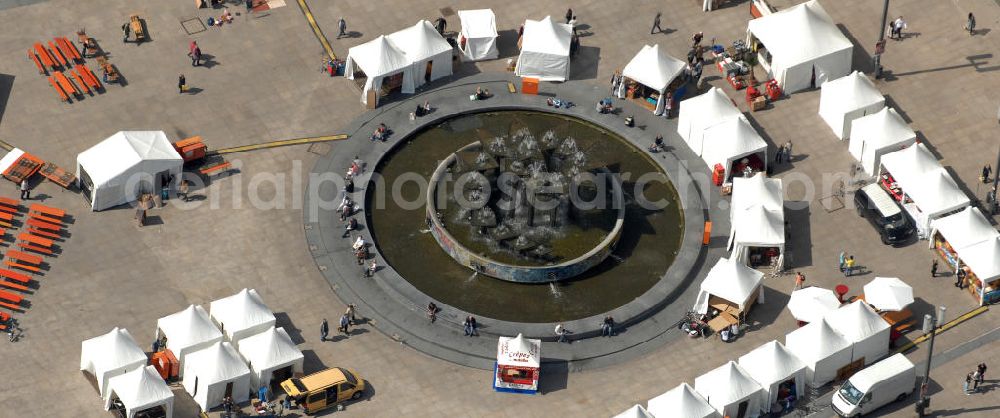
519,351
848,98
935,193
428,52
822,349
681,402
812,303
728,142
120,168
478,38
728,387
888,294
910,162
188,331
732,281
771,365
699,113
653,68
378,59
983,259
636,411
864,328
877,134
139,390
758,190
545,50
757,226
268,352
209,373
964,228
241,315
110,355
804,45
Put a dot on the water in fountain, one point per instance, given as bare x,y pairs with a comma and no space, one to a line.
554,291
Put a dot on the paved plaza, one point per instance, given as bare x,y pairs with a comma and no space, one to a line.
263,83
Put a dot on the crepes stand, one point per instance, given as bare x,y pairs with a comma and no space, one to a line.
518,363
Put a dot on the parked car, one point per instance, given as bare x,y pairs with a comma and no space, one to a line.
892,224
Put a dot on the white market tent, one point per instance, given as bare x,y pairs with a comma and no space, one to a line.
187,331
909,162
519,351
699,113
728,142
428,52
120,168
544,50
654,68
879,133
209,372
771,365
822,349
140,390
636,411
110,355
241,315
728,387
964,228
478,38
378,59
860,325
935,193
271,356
681,402
732,281
847,98
803,42
757,190
757,226
983,259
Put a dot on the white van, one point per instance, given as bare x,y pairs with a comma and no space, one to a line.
889,380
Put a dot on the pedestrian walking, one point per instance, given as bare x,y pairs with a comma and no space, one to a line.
976,380
656,24
470,326
985,176
696,40
324,330
799,280
934,267
181,84
981,368
195,56
897,28
25,190
970,24
607,326
561,333
350,314
569,15
788,151
182,189
960,278
572,24
342,28
849,266
440,24
126,30
968,382
345,323
841,259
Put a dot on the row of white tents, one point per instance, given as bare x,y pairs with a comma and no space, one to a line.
811,356
228,352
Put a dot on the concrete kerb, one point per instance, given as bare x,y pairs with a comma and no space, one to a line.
404,318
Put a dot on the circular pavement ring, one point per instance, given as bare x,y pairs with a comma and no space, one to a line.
396,307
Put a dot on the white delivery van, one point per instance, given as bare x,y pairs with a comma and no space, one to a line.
889,380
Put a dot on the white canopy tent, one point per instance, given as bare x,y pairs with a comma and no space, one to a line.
860,325
935,193
544,50
187,331
732,281
848,98
478,38
728,388
654,68
757,190
699,113
804,45
110,355
519,351
241,315
125,165
636,411
964,228
757,226
910,162
271,355
984,260
211,372
681,402
888,294
727,142
812,303
772,365
428,52
378,59
822,349
876,134
140,390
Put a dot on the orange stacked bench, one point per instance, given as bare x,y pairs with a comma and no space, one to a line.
11,301
34,243
56,53
9,205
79,80
44,56
55,85
13,275
34,58
88,76
23,261
66,85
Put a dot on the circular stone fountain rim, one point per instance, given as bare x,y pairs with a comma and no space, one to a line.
587,260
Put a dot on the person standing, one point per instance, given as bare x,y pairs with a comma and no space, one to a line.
126,30
572,24
569,15
25,190
788,151
350,313
249,7
985,176
934,267
561,333
968,381
345,323
981,368
324,330
181,84
799,280
976,380
440,24
195,56
897,27
607,326
342,28
960,278
841,259
849,266
656,24
469,325
970,24
182,190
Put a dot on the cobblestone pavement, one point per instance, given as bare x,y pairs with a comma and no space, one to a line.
263,83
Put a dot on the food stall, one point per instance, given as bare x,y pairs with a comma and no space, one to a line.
699,113
924,189
728,292
186,331
383,65
544,50
650,75
967,240
757,236
845,99
140,393
877,134
737,147
518,363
